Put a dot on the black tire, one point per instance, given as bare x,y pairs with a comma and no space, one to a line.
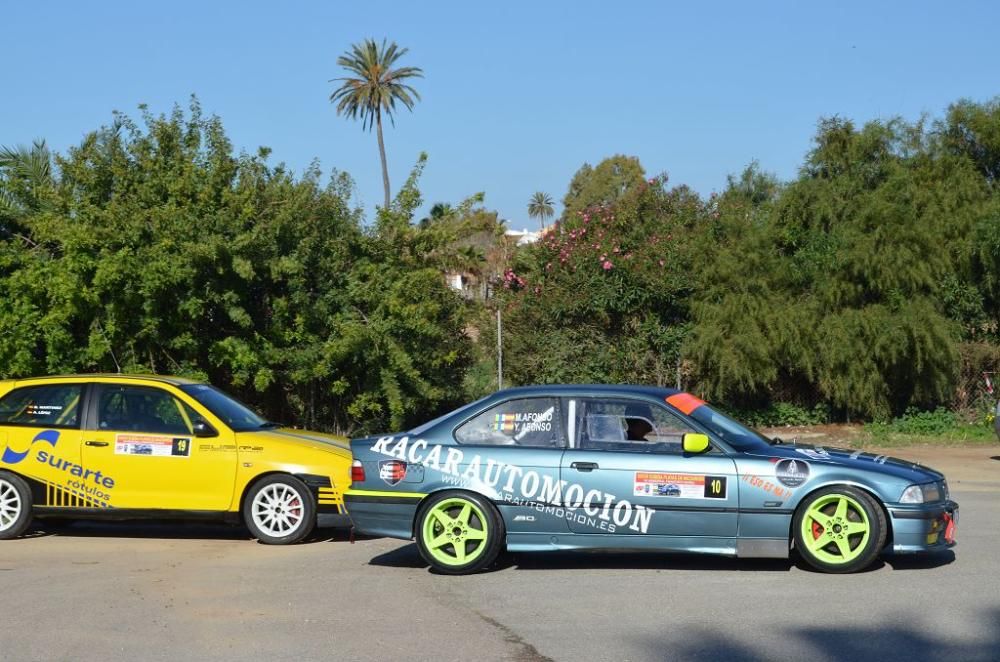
16,505
467,528
270,522
839,544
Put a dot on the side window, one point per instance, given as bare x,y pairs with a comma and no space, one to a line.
55,406
630,425
525,422
143,409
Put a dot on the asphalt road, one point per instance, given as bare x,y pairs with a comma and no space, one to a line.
199,592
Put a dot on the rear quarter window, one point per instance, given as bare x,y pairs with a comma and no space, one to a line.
49,406
525,422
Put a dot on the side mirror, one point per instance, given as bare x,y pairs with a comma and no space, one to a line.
694,443
203,430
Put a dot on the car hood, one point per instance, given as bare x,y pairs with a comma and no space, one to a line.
318,440
855,459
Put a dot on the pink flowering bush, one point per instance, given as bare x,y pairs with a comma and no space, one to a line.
602,296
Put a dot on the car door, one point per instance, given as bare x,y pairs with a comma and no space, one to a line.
627,454
143,437
512,451
40,440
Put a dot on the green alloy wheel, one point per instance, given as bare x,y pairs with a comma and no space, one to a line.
459,533
839,530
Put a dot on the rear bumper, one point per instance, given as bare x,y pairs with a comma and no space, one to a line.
388,516
332,520
923,528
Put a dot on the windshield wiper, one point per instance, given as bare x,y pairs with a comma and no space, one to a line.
270,425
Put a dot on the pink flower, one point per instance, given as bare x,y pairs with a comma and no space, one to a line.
607,265
661,263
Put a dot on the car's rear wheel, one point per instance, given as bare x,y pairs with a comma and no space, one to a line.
15,506
839,530
280,510
459,533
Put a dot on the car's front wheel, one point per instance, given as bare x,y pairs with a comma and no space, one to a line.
459,533
839,530
280,510
15,506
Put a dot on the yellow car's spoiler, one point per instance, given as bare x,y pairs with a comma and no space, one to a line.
5,386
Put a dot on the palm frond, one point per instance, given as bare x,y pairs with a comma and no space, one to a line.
374,86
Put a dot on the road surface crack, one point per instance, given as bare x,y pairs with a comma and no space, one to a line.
525,651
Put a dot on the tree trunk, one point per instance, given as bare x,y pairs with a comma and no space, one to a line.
381,151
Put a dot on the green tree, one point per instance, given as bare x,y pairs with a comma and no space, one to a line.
833,291
374,88
158,250
540,207
604,185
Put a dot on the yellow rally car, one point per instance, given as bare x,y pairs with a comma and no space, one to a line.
130,447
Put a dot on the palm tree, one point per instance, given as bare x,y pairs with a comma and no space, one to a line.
374,88
25,175
540,207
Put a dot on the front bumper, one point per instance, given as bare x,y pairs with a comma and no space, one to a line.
924,527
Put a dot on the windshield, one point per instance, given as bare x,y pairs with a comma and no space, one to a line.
735,434
233,413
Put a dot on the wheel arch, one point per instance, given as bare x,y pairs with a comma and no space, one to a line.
268,474
422,504
842,483
35,486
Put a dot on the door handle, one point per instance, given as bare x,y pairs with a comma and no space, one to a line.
99,444
584,466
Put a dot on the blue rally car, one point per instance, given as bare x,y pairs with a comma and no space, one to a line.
628,467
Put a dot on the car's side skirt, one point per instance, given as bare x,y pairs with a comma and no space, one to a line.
734,547
135,514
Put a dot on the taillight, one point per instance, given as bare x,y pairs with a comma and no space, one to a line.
357,472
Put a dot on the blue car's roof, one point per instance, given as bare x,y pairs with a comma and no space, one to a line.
604,389
558,390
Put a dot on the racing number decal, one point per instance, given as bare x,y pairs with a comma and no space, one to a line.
715,487
676,485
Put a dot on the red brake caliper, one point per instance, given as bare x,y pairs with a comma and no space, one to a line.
817,530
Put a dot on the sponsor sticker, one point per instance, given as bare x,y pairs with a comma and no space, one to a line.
152,446
684,486
792,473
814,453
392,471
520,486
768,486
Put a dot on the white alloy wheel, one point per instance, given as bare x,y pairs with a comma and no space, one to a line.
278,510
10,505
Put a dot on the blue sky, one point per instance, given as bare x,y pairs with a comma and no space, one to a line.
517,95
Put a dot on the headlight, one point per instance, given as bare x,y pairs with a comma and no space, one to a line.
921,493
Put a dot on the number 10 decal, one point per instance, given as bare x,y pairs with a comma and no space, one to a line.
715,487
